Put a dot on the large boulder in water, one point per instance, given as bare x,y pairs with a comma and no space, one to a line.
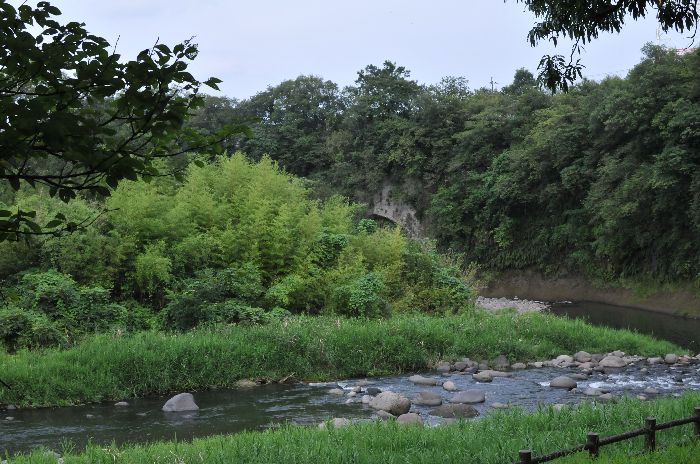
563,382
181,402
391,402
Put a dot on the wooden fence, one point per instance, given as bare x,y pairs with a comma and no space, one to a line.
594,442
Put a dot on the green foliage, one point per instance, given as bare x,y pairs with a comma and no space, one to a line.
601,181
78,118
361,297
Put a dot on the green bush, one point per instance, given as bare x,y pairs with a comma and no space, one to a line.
362,297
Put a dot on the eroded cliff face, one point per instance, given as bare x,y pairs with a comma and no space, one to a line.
386,206
535,286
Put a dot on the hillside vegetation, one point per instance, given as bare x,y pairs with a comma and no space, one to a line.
603,180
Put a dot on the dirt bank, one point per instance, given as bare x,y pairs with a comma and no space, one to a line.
534,286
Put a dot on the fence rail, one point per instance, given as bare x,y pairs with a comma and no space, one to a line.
594,442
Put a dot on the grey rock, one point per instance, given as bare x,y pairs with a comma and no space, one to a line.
518,366
356,389
455,411
482,377
352,394
651,391
373,391
606,396
582,356
461,365
363,382
563,382
366,399
597,357
562,358
449,386
9,418
245,383
501,362
586,365
469,397
443,367
612,361
410,418
420,380
383,415
336,391
121,404
617,353
425,398
671,358
180,402
536,364
590,391
500,406
655,360
483,366
336,423
391,402
89,416
578,376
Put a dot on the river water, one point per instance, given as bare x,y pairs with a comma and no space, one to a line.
681,330
230,411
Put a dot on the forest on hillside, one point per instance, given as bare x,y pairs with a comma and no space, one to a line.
603,180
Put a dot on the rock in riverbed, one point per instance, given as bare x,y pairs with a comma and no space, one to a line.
449,386
181,402
425,398
336,422
612,361
420,380
563,382
391,402
469,397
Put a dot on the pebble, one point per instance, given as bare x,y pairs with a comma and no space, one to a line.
121,404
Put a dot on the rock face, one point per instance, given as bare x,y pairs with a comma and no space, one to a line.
469,397
180,402
455,411
612,361
391,402
410,418
425,398
563,382
420,380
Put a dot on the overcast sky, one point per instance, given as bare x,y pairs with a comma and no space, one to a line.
253,44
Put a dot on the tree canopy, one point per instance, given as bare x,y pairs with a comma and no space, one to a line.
584,21
77,118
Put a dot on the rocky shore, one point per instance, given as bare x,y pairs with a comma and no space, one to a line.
521,306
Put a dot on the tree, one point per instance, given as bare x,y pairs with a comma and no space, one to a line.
584,21
75,118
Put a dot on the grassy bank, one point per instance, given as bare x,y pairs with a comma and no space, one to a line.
495,439
114,367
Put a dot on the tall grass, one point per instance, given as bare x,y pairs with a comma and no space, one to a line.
495,439
108,367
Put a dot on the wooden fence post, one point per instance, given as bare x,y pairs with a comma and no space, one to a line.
593,444
697,421
650,437
525,457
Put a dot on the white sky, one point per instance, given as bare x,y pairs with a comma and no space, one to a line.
253,44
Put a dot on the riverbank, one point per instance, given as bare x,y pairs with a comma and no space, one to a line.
494,439
535,286
111,367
